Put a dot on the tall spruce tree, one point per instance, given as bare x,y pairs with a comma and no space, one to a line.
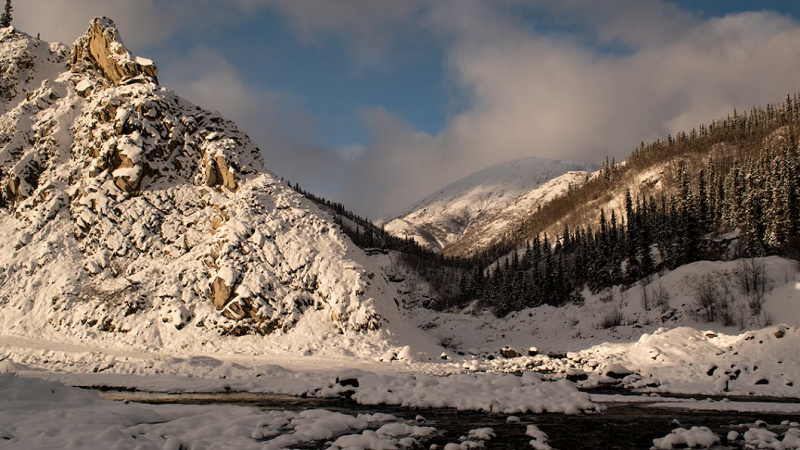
5,19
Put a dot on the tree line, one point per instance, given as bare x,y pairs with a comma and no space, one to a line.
440,271
723,190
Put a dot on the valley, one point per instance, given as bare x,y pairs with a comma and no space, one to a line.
161,287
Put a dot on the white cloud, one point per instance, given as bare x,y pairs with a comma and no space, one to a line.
550,95
370,27
64,21
526,90
274,120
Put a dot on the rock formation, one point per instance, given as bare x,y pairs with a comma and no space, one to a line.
126,209
101,48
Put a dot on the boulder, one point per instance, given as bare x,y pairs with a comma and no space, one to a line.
617,371
219,174
508,352
220,292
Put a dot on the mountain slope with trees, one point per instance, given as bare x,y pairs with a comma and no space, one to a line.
729,189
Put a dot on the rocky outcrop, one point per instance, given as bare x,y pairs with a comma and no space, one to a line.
101,48
134,206
219,174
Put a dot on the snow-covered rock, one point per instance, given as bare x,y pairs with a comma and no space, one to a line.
125,210
102,48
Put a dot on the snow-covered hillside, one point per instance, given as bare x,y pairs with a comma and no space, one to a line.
443,217
492,228
130,215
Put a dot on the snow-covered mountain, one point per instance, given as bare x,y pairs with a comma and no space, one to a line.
491,229
129,214
443,217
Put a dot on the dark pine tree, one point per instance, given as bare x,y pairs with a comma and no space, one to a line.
5,18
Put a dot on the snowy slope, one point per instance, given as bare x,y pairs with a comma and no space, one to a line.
490,229
132,216
444,216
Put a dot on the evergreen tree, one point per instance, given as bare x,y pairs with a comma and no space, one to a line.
5,18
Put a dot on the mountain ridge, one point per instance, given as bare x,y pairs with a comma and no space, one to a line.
443,217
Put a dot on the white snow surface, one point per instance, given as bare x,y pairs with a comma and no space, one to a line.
491,228
132,218
693,437
443,217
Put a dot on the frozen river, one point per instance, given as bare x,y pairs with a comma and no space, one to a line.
622,425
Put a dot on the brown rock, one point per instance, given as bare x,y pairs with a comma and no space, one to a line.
220,292
225,175
218,173
101,48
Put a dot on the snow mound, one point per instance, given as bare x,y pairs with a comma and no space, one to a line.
681,437
495,393
760,362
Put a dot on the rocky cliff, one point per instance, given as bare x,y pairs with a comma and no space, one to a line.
126,210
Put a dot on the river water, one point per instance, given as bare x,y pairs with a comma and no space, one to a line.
620,426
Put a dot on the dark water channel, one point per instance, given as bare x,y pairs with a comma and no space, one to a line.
620,426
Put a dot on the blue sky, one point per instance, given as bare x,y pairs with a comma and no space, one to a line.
377,104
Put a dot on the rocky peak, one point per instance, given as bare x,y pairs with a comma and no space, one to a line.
101,48
142,213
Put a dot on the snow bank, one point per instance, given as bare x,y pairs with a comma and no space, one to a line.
694,437
496,393
761,362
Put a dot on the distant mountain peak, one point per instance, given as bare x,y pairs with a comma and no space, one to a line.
444,216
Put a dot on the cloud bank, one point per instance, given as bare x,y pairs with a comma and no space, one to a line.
551,94
572,80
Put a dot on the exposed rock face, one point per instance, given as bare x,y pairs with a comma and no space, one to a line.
102,48
221,292
219,174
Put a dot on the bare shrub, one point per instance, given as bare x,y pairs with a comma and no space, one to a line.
756,303
645,297
741,315
706,298
612,318
752,276
660,297
450,342
753,283
726,311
